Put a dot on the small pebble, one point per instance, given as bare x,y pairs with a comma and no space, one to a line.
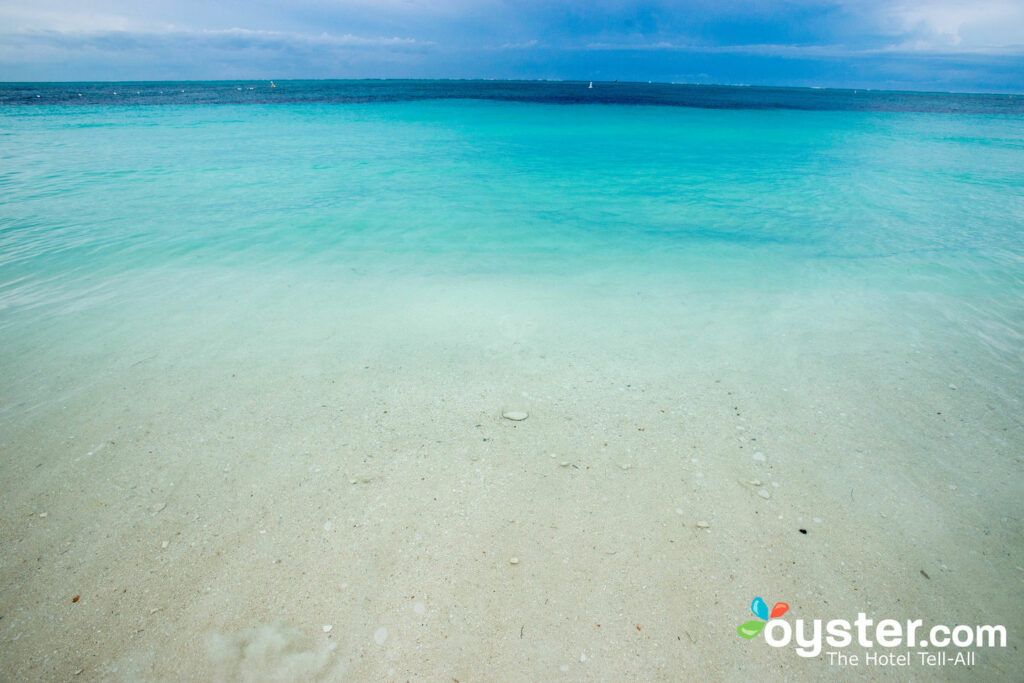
764,494
43,514
953,387
419,608
380,635
759,456
514,560
703,525
515,415
327,628
755,482
625,467
164,544
564,463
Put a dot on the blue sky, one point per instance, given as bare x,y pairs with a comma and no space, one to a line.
913,44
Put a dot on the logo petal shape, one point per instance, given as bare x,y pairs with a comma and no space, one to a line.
750,629
759,608
779,609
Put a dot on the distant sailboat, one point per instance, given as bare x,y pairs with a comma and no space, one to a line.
591,84
272,84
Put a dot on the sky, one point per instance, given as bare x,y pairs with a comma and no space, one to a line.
943,45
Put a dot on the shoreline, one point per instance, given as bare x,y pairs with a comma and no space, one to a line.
242,457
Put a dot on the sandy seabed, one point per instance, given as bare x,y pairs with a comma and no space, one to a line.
317,483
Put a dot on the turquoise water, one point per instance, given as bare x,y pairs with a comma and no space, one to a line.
294,182
259,352
95,199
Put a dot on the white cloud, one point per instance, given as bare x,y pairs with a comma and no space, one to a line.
233,36
286,37
519,46
176,53
951,26
22,18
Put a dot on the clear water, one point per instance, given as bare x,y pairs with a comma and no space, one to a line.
97,198
279,333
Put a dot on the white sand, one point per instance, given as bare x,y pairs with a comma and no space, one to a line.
336,455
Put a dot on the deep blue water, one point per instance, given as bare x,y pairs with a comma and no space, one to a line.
541,92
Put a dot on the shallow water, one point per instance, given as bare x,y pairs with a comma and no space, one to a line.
199,303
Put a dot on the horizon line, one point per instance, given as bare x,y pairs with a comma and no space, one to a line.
1010,94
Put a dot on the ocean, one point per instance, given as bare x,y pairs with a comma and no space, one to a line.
257,343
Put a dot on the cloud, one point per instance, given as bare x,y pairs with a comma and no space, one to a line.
38,17
980,26
840,29
806,51
233,37
185,54
138,39
520,46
